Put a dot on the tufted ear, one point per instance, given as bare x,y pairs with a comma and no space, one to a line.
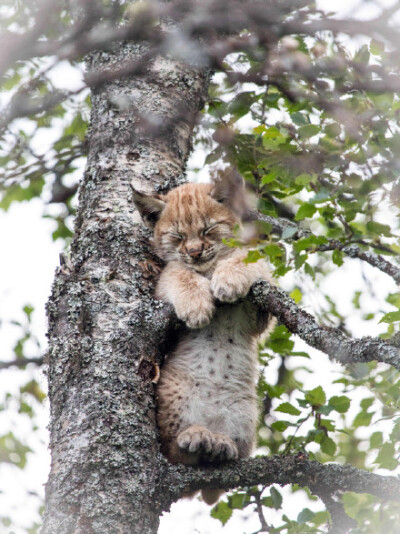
229,190
149,207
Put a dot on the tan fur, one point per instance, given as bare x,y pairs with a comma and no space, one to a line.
207,404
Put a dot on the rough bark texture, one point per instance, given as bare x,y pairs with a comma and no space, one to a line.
329,340
105,460
282,470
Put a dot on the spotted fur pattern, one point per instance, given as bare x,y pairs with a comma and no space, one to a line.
207,404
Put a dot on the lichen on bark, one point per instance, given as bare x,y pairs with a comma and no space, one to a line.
104,443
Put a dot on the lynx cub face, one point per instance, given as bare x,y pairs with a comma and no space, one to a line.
190,225
207,404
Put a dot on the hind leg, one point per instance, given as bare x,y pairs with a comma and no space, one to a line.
224,448
207,445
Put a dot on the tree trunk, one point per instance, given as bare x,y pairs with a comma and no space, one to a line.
106,468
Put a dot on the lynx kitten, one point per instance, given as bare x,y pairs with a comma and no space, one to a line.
207,404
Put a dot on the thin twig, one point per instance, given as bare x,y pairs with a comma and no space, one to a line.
21,362
280,225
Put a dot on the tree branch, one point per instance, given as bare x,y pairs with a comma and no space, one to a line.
280,225
329,340
341,522
271,299
259,508
21,362
280,470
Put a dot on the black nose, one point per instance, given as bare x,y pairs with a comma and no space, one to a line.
195,252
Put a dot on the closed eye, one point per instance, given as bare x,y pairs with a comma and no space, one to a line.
176,235
208,229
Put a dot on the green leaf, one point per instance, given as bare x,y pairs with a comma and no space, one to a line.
328,446
28,310
340,404
238,500
296,295
363,419
390,317
309,270
13,451
376,47
305,210
395,433
326,424
279,340
268,178
240,105
280,426
222,512
376,440
305,179
362,55
316,396
300,260
33,388
356,300
394,299
379,229
272,133
17,193
308,131
267,501
276,498
367,403
299,118
386,457
272,249
286,407
274,391
337,257
253,256
333,130
10,81
305,515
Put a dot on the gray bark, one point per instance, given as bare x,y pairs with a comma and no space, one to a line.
330,340
105,457
331,479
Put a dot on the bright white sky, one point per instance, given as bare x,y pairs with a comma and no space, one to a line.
29,258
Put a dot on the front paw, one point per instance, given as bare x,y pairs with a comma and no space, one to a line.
229,287
196,313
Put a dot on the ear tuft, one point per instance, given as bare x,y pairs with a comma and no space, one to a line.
229,190
149,207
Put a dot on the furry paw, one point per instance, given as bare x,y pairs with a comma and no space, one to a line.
224,448
196,439
196,313
228,286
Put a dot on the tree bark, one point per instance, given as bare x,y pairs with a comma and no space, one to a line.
105,457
